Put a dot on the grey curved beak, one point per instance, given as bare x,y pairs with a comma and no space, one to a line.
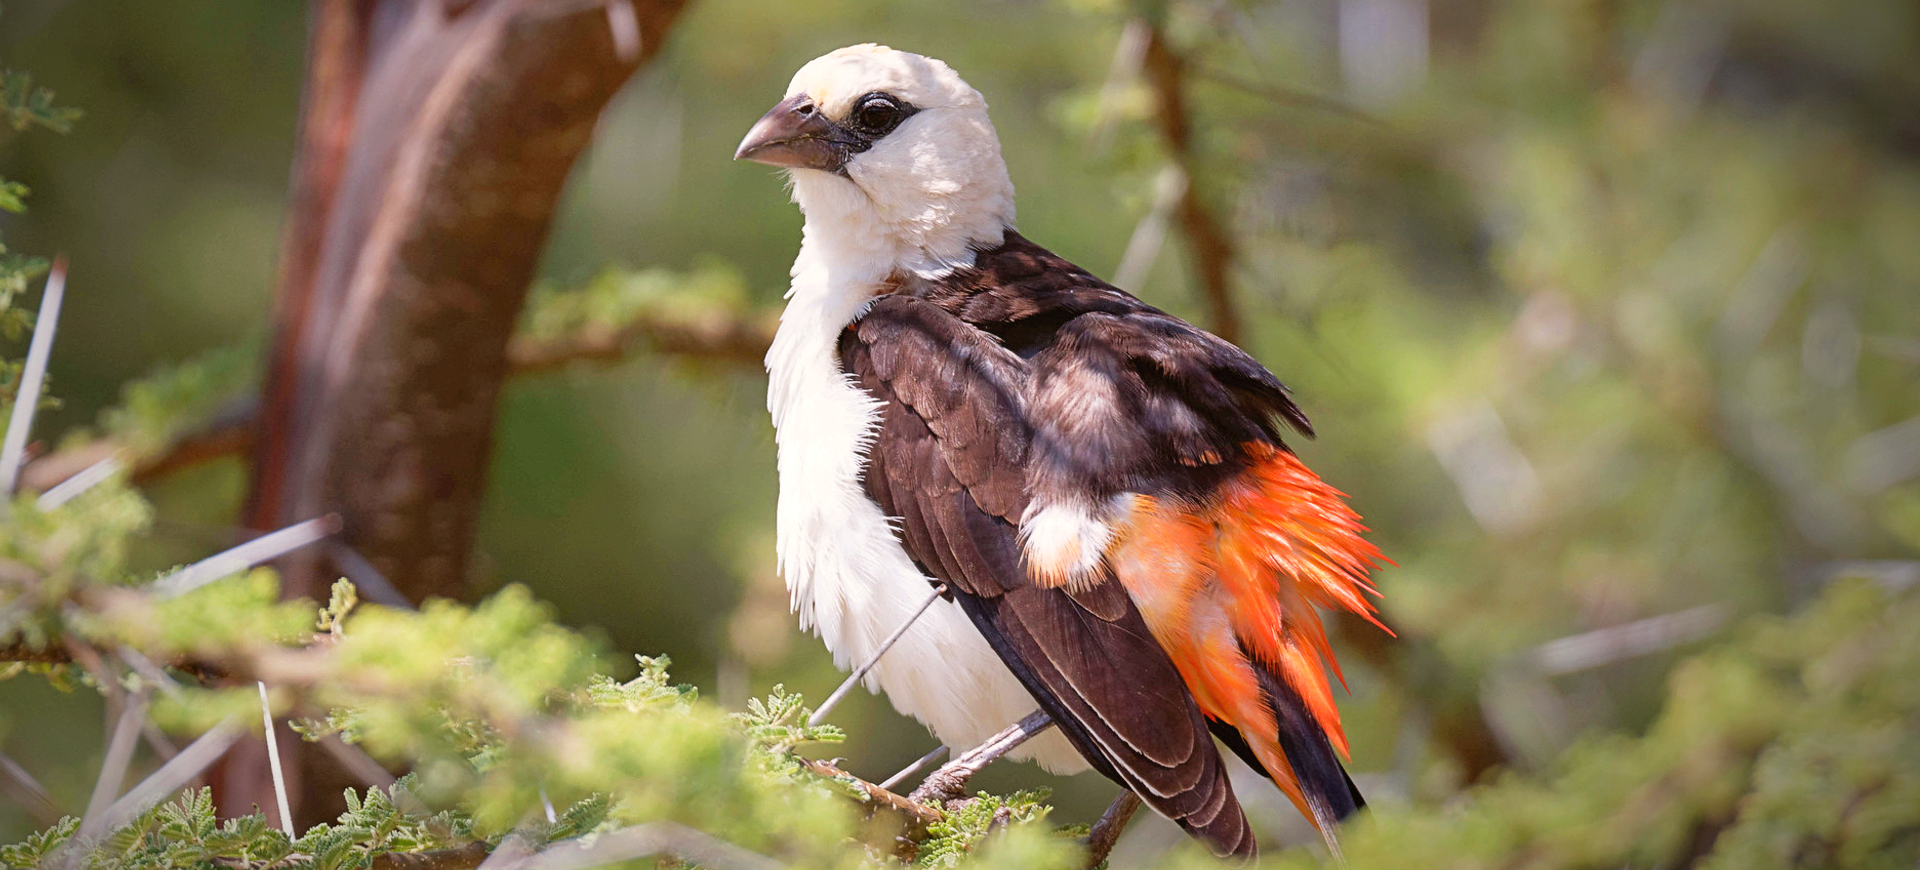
795,135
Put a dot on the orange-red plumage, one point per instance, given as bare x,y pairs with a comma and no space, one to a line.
1230,584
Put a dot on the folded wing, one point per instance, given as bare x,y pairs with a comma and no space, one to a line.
950,459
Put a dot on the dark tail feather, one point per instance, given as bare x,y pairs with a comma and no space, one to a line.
1330,793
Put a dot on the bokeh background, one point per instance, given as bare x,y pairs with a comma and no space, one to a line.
1607,313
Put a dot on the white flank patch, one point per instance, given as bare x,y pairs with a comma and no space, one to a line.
1064,542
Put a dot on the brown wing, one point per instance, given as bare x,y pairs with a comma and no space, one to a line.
1122,398
949,460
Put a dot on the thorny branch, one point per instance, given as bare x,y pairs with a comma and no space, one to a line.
918,815
720,338
228,434
724,339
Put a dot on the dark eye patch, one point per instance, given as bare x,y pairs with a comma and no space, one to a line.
877,114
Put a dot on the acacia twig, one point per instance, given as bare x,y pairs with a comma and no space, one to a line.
736,340
732,340
945,784
230,433
917,814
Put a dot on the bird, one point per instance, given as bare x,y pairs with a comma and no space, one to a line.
1098,492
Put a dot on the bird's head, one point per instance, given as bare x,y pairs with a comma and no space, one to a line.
890,147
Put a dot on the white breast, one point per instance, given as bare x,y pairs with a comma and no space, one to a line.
850,578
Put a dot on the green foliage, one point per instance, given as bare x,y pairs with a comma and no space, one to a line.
780,720
24,106
1586,347
616,299
340,602
39,845
64,551
1792,745
702,312
185,833
181,399
968,824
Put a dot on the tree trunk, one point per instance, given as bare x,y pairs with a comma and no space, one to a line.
436,137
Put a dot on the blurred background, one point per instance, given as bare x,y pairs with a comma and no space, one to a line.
1607,313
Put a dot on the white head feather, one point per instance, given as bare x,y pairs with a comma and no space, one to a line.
923,196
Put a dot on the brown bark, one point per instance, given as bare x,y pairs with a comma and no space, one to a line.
1209,246
436,136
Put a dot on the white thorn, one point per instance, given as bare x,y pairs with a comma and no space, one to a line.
268,546
32,375
273,761
81,481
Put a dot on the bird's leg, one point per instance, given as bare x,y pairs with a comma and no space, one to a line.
944,784
911,768
820,715
1106,832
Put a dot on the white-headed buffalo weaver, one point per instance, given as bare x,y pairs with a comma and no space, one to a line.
1102,487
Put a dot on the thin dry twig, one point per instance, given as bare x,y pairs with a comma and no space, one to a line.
1605,646
230,433
1150,234
946,783
737,341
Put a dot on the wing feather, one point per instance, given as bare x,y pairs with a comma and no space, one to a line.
949,461
1167,442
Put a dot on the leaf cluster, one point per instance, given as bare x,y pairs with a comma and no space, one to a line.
22,106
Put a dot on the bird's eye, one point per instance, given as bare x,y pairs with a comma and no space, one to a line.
878,114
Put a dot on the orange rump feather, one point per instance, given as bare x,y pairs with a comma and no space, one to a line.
1230,585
